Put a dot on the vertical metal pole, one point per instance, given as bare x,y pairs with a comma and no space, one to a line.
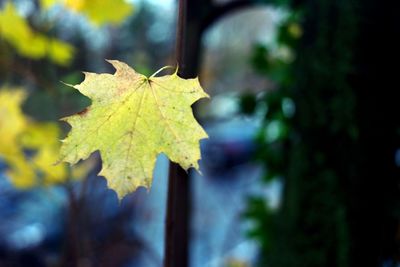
177,231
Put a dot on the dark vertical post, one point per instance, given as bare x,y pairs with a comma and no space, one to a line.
194,17
177,230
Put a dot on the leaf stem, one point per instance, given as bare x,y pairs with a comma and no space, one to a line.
160,70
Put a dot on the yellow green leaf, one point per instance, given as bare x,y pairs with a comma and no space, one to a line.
133,119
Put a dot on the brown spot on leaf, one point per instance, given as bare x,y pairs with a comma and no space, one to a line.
83,112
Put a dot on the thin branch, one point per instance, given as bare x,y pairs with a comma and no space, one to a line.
219,11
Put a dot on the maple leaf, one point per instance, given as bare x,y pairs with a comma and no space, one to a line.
132,119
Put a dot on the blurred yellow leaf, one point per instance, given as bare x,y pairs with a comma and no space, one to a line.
21,173
76,5
13,27
12,125
47,3
16,31
12,121
99,12
103,11
34,48
20,134
60,52
43,138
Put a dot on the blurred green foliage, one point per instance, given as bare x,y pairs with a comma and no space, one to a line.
329,135
305,118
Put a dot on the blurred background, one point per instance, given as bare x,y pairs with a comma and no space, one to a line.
302,164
